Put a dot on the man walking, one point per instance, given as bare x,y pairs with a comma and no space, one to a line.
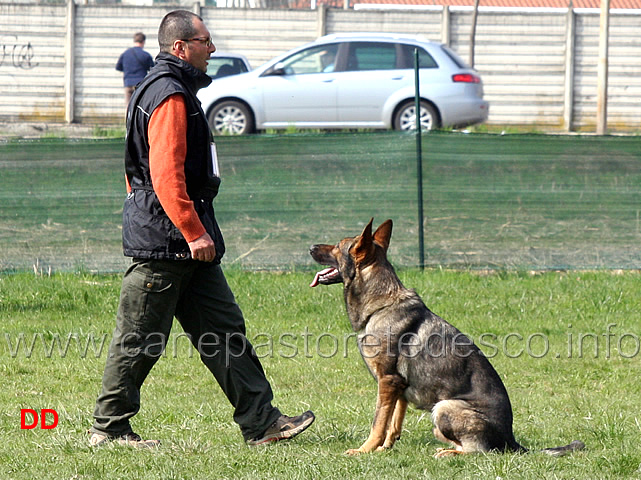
170,230
134,63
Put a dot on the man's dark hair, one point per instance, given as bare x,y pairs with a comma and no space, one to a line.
139,37
177,25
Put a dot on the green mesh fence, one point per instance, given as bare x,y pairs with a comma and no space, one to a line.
512,201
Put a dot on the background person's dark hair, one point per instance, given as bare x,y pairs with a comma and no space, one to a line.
176,25
139,37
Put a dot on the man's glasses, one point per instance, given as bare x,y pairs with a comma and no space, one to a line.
206,40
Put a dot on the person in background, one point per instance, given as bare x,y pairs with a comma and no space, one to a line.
328,57
170,230
134,63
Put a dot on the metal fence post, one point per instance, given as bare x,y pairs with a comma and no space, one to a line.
419,163
70,55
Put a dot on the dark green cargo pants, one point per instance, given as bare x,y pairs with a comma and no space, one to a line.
197,294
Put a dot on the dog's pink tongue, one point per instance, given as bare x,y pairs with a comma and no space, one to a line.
316,282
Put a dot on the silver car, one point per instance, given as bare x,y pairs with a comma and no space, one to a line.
356,80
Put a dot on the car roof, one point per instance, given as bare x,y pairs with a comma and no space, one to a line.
374,36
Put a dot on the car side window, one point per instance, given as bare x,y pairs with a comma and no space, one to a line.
372,56
319,59
425,60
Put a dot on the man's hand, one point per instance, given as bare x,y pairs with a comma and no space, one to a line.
203,248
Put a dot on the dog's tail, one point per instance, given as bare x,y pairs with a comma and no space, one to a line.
565,449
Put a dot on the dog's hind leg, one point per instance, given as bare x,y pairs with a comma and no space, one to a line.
456,449
390,388
458,424
396,426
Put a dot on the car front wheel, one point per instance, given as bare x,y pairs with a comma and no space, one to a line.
405,118
231,118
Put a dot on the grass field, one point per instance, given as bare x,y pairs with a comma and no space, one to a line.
565,344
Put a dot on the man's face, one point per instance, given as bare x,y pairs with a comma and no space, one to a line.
195,50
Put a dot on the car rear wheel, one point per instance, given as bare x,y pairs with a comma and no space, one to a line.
405,118
231,118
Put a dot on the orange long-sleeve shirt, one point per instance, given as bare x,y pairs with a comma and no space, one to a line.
167,134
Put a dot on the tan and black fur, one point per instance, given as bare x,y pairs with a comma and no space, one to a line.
415,356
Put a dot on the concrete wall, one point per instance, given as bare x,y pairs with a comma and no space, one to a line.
539,67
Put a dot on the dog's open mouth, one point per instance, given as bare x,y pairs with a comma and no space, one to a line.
326,277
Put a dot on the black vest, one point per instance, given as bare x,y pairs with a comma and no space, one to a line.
147,231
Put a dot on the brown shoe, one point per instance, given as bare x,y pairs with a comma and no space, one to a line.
284,428
130,439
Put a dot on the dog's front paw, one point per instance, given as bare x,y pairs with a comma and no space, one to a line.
352,452
383,448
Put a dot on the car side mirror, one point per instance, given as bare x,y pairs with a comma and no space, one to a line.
278,69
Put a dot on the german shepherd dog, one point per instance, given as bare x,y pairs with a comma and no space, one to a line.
416,356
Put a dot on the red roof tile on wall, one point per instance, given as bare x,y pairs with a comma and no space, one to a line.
622,4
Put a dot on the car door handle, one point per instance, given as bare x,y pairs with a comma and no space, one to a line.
401,77
328,80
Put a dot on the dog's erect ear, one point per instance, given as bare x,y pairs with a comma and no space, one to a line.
367,231
383,234
365,243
